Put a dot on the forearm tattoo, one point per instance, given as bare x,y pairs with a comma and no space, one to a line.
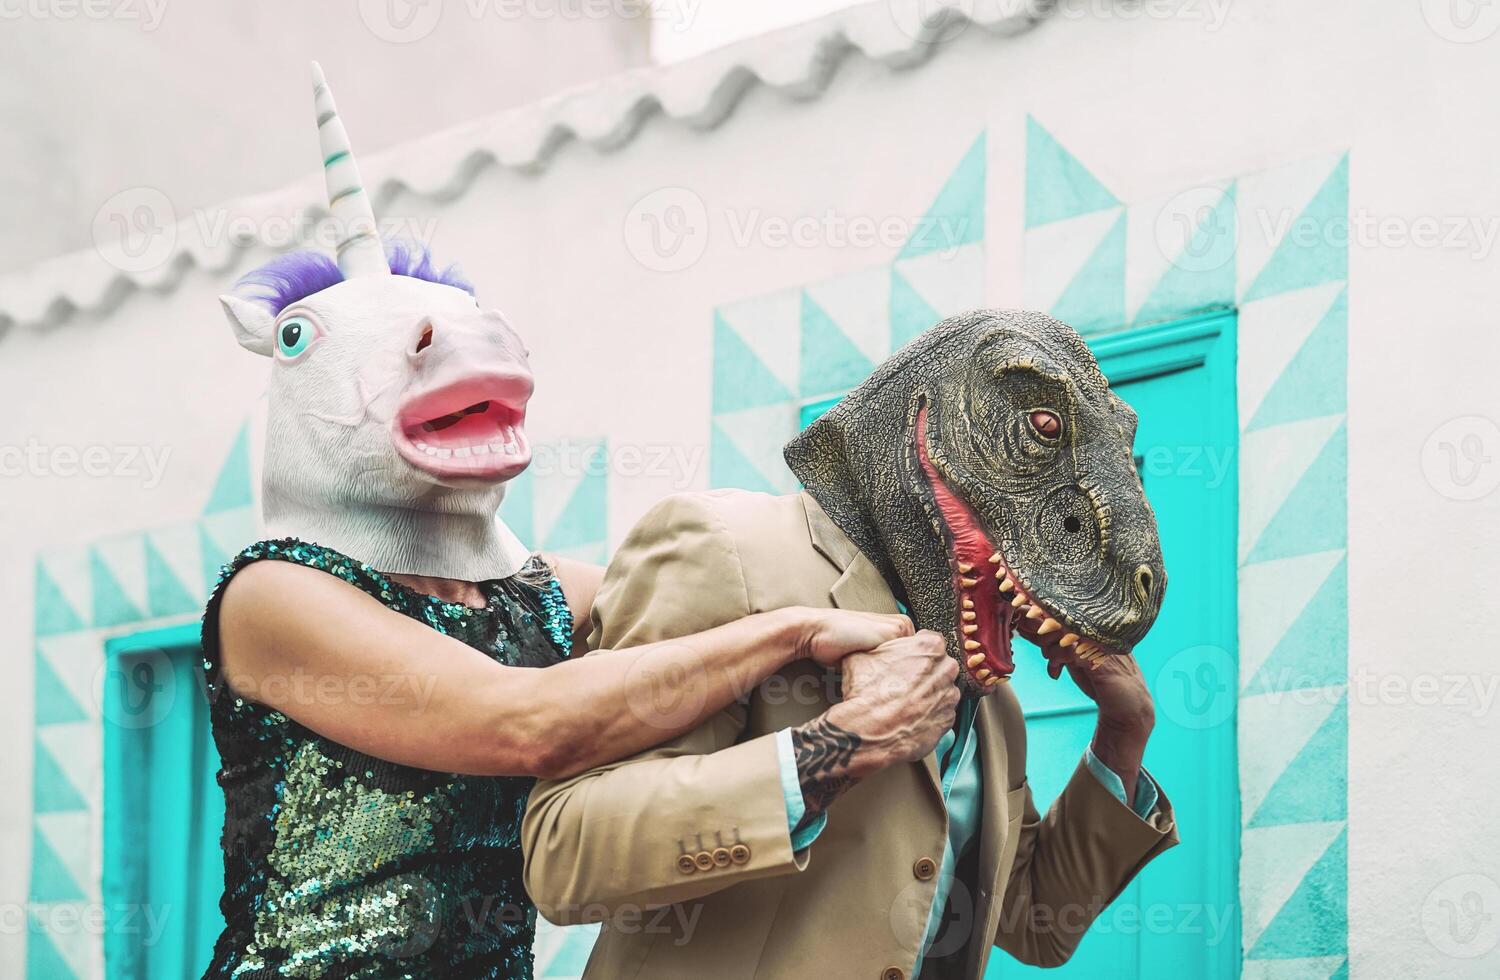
823,751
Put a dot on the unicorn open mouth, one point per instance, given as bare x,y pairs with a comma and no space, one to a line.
472,429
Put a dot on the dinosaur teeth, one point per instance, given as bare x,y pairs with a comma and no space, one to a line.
977,660
968,603
971,628
971,645
1018,601
995,558
1007,585
1069,639
994,681
1035,612
965,568
969,616
969,583
1049,626
982,673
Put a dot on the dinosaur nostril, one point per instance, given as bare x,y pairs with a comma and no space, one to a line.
1143,581
425,340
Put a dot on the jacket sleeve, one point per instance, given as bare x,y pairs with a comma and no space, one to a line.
1071,863
691,816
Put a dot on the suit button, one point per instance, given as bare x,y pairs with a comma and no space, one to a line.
925,869
721,857
704,861
739,854
685,864
893,973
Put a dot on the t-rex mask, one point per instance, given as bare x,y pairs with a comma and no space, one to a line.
986,470
397,405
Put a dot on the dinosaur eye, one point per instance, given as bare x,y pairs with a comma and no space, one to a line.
1046,423
293,336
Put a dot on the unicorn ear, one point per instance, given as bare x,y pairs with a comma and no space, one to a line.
254,326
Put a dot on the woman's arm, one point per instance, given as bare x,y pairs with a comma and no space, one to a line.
334,659
580,583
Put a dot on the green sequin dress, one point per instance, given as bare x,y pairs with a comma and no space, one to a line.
337,864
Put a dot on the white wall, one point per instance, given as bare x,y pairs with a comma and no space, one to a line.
1154,104
190,98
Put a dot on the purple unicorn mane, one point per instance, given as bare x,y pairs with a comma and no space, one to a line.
296,275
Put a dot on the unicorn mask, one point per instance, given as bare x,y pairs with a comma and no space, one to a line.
397,404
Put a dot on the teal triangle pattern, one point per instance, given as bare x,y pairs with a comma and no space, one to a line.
50,879
830,361
1315,920
728,467
164,593
1298,263
1315,383
582,519
1314,516
1057,185
112,607
55,704
1203,276
741,379
1313,652
1095,299
53,792
1342,973
517,509
232,489
956,216
53,613
910,313
1314,787
212,557
43,961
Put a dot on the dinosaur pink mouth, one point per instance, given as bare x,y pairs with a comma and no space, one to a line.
472,429
993,605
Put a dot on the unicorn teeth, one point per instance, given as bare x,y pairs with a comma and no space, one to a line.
429,450
481,449
497,448
462,452
444,453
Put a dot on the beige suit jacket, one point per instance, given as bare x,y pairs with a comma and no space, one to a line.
685,848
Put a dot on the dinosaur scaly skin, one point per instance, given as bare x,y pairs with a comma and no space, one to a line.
986,470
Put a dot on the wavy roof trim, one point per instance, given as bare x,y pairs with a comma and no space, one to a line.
797,62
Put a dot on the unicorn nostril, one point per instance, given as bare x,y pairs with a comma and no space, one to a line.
1143,580
424,340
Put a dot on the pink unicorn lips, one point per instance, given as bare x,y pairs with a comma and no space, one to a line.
472,429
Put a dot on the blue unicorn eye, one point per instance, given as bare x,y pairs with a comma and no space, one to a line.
293,336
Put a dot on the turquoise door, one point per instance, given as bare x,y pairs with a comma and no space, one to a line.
1180,917
163,810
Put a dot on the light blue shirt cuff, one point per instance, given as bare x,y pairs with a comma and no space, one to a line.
791,790
1146,793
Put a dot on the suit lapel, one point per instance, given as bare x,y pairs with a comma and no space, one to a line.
861,586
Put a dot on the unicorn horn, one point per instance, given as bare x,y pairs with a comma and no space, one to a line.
359,250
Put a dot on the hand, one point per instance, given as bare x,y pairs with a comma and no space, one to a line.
830,635
898,702
1127,714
